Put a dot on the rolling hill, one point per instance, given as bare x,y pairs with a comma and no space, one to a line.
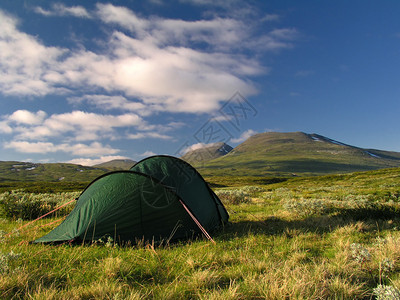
51,172
56,172
297,153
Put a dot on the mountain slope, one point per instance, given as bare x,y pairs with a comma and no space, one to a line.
27,171
275,153
207,153
116,164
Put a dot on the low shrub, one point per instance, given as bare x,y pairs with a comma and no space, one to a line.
237,196
251,190
306,207
29,206
233,196
386,292
5,260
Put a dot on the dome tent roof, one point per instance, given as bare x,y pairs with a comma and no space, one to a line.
152,201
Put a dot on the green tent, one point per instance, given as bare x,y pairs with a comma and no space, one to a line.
160,198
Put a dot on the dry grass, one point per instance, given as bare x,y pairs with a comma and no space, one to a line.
268,252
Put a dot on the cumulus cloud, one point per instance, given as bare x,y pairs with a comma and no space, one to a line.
81,125
155,62
244,136
149,65
27,117
25,61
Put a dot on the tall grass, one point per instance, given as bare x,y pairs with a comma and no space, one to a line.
270,250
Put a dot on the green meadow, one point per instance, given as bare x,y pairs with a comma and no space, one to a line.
323,237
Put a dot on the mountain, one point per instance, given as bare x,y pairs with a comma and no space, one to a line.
116,164
297,153
206,153
27,171
265,154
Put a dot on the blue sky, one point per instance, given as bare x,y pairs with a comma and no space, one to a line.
87,82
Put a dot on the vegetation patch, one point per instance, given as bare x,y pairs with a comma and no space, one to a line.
330,237
28,206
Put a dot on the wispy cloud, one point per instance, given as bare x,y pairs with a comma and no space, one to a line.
93,149
304,73
244,136
196,146
144,135
147,153
59,9
271,18
96,161
106,102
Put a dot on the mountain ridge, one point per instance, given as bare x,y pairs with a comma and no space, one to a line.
264,154
285,154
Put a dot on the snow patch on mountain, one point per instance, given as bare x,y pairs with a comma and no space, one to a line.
373,155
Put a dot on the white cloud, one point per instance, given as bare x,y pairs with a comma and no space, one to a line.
77,126
143,135
81,125
147,153
216,32
59,9
94,149
123,16
5,128
24,61
95,161
156,63
28,147
196,147
244,136
106,102
27,117
221,118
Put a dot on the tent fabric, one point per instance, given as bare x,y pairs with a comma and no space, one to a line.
188,184
142,204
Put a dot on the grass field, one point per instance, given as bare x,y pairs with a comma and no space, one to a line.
328,237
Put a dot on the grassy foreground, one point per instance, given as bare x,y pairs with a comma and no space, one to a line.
331,237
